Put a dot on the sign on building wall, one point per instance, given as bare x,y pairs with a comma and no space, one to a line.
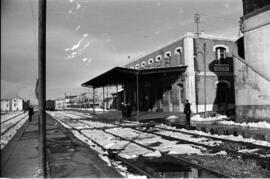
221,68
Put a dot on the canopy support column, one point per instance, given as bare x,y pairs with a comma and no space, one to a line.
94,100
124,88
107,95
117,102
103,101
138,100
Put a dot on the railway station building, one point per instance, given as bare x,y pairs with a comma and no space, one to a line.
253,76
163,78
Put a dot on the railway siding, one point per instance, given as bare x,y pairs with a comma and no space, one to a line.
143,140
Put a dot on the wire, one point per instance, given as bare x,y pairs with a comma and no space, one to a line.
32,90
34,30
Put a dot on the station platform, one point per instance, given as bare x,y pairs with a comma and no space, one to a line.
67,156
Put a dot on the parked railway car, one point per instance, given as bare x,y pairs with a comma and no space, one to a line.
50,105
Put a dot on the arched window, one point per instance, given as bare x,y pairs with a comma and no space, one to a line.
167,57
168,54
221,53
143,64
137,66
178,52
223,81
158,61
150,61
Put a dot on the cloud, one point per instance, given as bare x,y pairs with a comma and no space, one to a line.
76,50
87,60
75,8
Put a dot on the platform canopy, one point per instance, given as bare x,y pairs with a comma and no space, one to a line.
121,75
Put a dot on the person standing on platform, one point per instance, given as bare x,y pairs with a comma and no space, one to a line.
128,110
123,109
187,111
30,113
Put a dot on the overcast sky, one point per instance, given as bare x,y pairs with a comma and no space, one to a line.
87,37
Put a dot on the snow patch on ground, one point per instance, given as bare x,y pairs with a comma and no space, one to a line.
153,154
91,109
186,149
9,135
261,124
201,140
10,115
229,137
172,118
248,150
216,118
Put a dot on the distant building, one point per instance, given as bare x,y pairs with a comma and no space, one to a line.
26,104
59,104
168,75
253,90
16,104
5,105
68,101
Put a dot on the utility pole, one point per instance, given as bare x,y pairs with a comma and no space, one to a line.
204,75
197,21
42,85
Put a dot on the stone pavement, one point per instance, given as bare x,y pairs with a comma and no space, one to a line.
67,156
20,157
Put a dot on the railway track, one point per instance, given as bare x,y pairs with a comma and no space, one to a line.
2,122
111,154
140,170
240,145
153,125
3,132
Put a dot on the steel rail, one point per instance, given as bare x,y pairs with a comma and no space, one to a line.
12,126
261,160
188,133
194,134
216,138
2,122
177,158
114,156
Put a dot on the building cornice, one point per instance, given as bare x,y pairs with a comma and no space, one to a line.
186,35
